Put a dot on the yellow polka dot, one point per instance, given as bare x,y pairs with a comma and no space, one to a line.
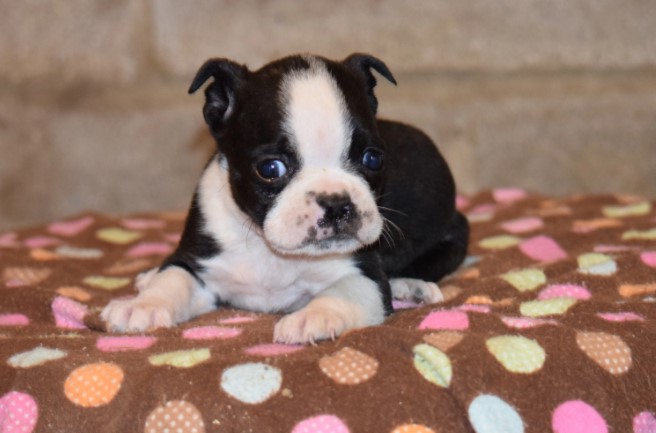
181,358
499,242
547,307
624,211
93,385
525,280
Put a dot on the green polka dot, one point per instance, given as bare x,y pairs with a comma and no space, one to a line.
547,307
596,264
525,280
517,354
433,365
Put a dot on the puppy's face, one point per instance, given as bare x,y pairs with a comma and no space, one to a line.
301,146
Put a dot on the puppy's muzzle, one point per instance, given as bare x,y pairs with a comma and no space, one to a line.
340,214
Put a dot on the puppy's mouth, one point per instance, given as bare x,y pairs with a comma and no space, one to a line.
329,235
336,244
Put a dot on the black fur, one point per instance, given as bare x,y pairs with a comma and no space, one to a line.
425,238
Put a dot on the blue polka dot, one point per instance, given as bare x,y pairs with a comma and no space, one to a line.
490,414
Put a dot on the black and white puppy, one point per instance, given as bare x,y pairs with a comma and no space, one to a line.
311,206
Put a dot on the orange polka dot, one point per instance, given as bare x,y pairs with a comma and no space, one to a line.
93,385
74,293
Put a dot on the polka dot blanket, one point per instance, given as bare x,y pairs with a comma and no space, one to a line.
549,326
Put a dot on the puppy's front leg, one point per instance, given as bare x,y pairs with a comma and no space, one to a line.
352,302
165,298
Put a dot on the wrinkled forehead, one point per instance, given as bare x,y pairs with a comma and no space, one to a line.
315,116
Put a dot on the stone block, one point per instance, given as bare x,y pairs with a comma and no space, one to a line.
551,133
421,35
71,42
128,156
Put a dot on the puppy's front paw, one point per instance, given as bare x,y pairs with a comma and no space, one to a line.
322,319
137,315
411,289
309,326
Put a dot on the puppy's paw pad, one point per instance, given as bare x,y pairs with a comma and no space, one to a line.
310,325
137,315
411,289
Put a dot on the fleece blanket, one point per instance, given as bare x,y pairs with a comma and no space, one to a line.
550,325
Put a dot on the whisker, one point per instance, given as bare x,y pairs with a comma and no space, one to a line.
396,227
389,209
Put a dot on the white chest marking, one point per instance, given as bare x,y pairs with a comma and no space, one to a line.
247,273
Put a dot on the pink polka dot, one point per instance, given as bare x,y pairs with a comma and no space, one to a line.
508,195
70,228
149,249
564,291
142,223
610,248
486,208
18,413
649,258
398,304
68,313
453,320
523,225
461,202
41,242
577,416
173,237
621,317
644,422
237,319
526,322
14,320
8,240
321,424
273,349
210,333
542,248
123,344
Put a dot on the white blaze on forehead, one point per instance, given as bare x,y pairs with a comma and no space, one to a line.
316,116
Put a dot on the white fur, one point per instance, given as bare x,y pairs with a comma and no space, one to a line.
412,289
276,268
165,299
249,274
318,123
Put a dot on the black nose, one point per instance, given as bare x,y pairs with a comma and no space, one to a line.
338,209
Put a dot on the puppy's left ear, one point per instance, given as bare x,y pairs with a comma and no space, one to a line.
220,95
363,64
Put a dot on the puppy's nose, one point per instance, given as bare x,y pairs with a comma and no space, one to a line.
338,209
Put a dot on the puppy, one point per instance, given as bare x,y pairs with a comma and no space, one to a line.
310,206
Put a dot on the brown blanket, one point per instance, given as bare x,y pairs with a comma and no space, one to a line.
549,326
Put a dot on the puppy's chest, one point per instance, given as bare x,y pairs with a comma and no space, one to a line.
252,277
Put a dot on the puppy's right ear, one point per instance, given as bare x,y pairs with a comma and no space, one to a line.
220,95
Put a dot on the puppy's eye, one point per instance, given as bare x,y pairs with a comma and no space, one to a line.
372,159
271,169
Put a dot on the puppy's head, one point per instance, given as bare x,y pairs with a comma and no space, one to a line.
300,142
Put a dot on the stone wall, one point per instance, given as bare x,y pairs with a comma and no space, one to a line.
556,96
